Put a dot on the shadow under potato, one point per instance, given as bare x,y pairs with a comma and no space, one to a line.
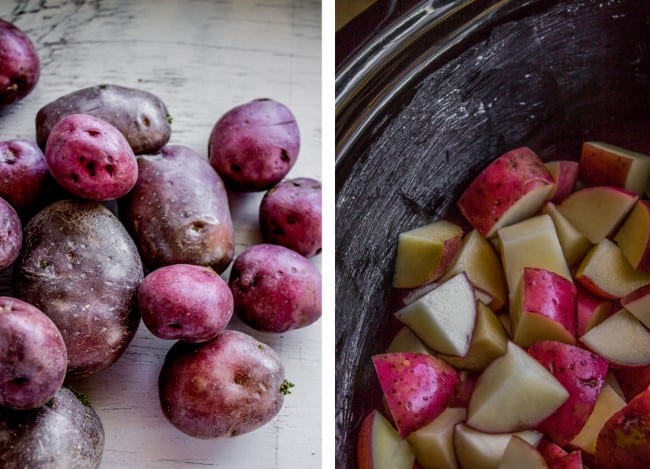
544,74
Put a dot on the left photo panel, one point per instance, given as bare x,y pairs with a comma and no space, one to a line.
161,234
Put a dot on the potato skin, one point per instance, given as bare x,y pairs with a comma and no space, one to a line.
23,173
20,67
33,358
64,433
80,267
223,387
141,116
185,302
11,235
291,214
90,158
275,289
178,211
253,146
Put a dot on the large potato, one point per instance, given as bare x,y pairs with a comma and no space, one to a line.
11,235
224,387
178,211
19,64
80,267
64,433
141,116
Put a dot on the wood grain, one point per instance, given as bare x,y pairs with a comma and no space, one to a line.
201,57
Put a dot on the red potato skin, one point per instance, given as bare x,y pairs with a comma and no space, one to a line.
364,448
587,306
502,183
291,215
185,302
566,181
178,211
90,158
11,235
20,67
417,387
552,296
624,440
224,387
551,452
80,267
253,146
275,289
600,168
140,116
33,357
582,374
23,173
633,381
466,384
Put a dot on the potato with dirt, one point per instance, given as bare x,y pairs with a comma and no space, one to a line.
178,211
80,267
11,235
253,146
291,215
90,158
64,433
275,289
224,387
23,173
33,358
20,67
140,116
185,302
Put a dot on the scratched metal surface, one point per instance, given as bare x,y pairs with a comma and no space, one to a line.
547,74
201,57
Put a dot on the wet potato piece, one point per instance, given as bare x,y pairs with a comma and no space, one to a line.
80,267
141,116
178,211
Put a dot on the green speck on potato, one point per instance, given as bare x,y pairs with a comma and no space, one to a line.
44,264
83,398
285,387
169,119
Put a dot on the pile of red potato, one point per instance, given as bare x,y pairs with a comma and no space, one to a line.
526,340
79,268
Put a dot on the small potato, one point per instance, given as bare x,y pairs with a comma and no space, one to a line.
23,173
253,146
227,386
11,235
141,116
80,267
64,433
90,158
290,215
19,64
178,211
33,358
275,289
185,302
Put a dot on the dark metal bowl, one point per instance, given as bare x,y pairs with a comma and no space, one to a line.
432,98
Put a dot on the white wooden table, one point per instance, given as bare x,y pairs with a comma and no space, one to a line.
201,57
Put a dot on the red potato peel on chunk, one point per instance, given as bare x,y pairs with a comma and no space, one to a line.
582,374
417,387
624,440
508,190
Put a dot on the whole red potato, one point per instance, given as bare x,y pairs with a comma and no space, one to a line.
275,289
90,158
11,235
20,67
186,302
23,173
291,216
224,387
33,357
253,146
